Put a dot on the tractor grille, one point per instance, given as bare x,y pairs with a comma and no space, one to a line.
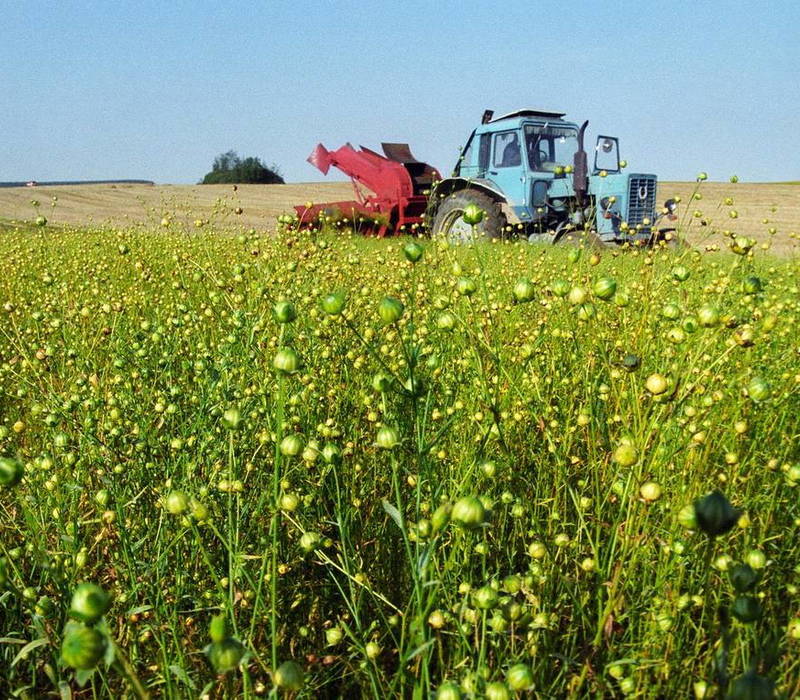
641,199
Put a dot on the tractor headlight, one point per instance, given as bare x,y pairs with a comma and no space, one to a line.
671,206
605,206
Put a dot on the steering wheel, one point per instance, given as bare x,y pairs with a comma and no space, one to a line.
545,164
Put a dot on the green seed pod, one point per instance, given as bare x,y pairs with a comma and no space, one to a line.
441,517
445,321
468,513
218,629
388,437
413,251
524,290
177,503
743,578
680,273
466,287
82,648
473,214
231,418
333,304
756,558
289,676
657,384
746,608
11,471
89,603
519,677
448,691
689,324
758,389
331,453
390,310
226,655
284,312
560,288
44,607
605,288
381,382
497,691
286,361
3,574
485,598
333,635
708,316
626,455
750,686
309,541
586,311
291,445
671,311
198,510
577,296
752,285
650,491
715,515
631,363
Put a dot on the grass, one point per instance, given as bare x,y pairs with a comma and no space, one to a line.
468,492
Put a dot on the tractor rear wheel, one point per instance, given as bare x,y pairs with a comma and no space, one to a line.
567,235
449,220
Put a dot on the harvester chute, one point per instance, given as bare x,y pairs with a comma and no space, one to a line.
397,184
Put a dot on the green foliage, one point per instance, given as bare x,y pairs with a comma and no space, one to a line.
229,168
231,438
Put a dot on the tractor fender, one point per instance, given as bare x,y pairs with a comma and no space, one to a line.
453,184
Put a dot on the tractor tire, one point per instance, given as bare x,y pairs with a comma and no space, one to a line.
449,223
577,237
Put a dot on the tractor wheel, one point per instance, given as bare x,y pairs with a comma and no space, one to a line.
449,221
565,235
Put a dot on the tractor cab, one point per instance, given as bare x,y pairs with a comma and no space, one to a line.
533,166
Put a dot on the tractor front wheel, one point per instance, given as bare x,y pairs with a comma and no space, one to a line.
449,220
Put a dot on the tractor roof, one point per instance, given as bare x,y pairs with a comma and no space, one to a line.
529,113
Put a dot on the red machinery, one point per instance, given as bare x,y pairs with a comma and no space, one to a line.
398,182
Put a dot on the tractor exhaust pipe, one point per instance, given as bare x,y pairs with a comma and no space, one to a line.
580,176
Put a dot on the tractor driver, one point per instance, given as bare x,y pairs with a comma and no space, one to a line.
511,154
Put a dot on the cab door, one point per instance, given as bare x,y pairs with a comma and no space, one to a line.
507,167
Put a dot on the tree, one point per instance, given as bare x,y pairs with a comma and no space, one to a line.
229,168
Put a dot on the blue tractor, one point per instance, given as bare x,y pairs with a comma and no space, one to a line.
529,173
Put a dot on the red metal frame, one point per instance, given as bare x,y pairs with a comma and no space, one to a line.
396,183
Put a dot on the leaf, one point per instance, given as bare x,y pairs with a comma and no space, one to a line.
419,650
82,676
182,676
139,610
64,691
11,640
28,648
422,562
394,514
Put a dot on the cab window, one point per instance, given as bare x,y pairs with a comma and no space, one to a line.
506,150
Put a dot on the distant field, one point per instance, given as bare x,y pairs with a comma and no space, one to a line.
759,207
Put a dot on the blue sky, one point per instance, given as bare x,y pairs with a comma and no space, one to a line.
156,90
